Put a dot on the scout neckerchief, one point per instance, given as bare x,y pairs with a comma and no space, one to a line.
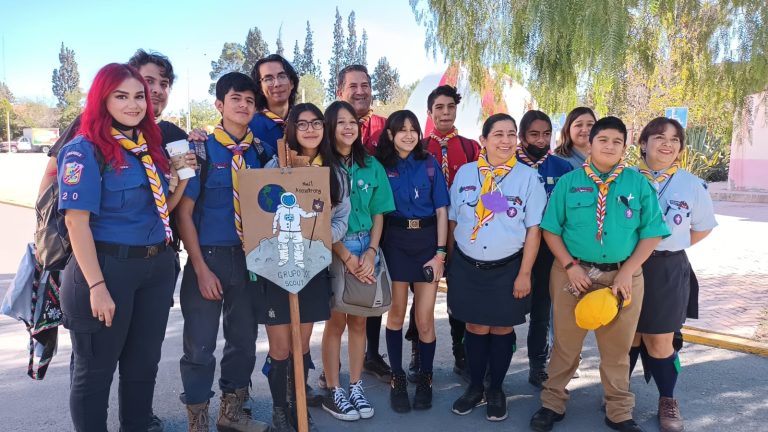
656,181
488,175
274,117
238,163
364,119
141,151
317,161
443,141
523,156
602,187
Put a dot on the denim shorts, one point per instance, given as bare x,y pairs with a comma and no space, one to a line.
358,242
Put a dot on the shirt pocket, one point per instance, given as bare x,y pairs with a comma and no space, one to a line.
218,189
364,189
630,214
677,213
125,191
580,209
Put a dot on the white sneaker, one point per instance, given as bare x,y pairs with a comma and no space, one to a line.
358,400
337,405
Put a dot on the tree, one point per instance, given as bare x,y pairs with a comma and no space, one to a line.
66,79
362,52
231,59
203,114
580,49
352,49
298,59
6,108
255,48
311,90
308,65
336,62
73,106
31,113
384,81
279,43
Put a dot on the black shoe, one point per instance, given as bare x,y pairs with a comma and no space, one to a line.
544,419
413,366
281,421
537,377
155,424
472,397
375,365
423,398
625,426
496,410
398,394
314,398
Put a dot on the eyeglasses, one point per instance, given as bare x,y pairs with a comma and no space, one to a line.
304,125
281,78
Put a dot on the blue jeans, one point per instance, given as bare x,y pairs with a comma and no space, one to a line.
358,242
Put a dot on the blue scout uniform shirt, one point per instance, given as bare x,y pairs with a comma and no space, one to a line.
121,203
551,170
267,131
503,235
686,205
572,208
214,217
416,196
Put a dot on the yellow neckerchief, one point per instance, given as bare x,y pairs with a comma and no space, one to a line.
656,181
523,156
141,151
274,117
317,161
238,162
364,119
443,141
488,173
602,187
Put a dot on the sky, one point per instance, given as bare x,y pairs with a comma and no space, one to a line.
191,33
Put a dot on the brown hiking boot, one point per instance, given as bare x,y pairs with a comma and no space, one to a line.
231,416
197,416
670,419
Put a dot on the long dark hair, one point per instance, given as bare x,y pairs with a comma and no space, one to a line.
261,98
331,117
566,143
385,150
324,149
528,119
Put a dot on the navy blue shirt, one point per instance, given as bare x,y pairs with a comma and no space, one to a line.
416,196
214,216
121,203
267,131
551,170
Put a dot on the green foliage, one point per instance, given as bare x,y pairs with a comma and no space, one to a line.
385,80
298,59
336,62
362,53
72,108
66,79
352,48
203,115
6,108
255,48
706,155
583,50
231,59
307,64
311,90
35,114
397,101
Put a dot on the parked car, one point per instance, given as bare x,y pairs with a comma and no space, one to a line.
4,147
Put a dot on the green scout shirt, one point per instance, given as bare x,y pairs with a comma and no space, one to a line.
369,193
571,214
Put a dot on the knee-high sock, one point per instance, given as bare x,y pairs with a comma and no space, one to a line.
634,354
502,348
427,355
395,350
664,372
372,335
477,348
277,376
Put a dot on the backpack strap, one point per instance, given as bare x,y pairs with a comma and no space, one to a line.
469,149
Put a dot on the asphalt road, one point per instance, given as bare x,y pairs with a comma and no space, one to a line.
718,390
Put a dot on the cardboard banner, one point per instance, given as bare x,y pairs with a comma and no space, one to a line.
286,216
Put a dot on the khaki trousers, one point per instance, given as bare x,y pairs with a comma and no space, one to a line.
613,342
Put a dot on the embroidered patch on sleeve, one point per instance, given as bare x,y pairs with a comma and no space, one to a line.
73,171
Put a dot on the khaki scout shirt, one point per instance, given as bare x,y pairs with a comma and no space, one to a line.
572,215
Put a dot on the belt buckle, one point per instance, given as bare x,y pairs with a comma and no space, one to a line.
152,251
414,224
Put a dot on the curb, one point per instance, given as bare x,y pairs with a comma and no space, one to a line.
739,196
721,340
17,204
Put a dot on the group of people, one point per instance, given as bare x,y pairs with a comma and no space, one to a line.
420,207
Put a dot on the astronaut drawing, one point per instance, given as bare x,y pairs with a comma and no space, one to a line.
288,220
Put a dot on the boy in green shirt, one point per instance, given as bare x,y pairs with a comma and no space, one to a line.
608,218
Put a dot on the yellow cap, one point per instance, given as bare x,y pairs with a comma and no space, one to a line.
597,308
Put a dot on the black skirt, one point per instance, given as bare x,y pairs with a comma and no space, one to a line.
667,293
407,250
273,308
484,296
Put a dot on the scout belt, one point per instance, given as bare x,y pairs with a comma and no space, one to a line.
606,267
412,223
123,251
488,265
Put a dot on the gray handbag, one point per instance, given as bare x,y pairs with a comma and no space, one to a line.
351,296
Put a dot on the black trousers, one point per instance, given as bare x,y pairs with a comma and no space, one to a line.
142,290
541,305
